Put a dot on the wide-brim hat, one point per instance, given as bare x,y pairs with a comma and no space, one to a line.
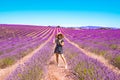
60,35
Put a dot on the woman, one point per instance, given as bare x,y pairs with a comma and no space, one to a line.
59,48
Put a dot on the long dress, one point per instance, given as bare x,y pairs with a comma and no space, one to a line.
58,48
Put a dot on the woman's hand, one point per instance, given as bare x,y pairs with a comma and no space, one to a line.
62,43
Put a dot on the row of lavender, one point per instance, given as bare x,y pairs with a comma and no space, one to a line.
35,67
16,42
101,42
85,68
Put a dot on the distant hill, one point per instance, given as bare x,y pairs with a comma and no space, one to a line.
96,27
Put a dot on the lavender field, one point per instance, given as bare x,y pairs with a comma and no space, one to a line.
92,54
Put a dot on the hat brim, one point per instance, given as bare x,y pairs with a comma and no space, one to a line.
60,34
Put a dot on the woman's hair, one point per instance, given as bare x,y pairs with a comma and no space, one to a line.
60,34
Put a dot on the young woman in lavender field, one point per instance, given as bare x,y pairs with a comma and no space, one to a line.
59,48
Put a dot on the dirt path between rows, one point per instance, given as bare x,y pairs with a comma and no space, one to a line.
55,72
94,56
4,73
58,72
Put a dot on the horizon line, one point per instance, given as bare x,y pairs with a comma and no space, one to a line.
58,25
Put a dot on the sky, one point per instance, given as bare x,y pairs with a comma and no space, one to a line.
68,13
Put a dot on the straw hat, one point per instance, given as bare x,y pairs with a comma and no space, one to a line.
59,34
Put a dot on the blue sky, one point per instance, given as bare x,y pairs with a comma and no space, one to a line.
61,12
